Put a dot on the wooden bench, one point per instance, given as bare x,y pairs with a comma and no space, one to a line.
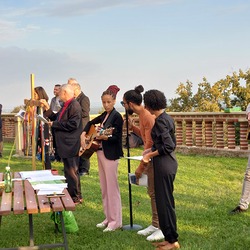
23,199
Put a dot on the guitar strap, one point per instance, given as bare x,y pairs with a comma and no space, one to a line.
107,123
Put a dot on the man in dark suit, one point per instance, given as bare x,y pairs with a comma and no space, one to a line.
84,164
67,125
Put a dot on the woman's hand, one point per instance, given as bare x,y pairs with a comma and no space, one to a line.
44,104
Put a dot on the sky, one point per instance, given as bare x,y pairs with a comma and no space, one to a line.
156,43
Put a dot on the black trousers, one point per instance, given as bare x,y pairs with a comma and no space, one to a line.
72,177
84,164
44,132
57,157
164,176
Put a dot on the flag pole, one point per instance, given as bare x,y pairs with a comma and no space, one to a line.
33,119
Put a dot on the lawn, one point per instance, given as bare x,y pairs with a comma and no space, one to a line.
206,189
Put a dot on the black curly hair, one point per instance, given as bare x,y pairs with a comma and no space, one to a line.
154,100
134,95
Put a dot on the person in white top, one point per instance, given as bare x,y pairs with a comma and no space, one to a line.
56,105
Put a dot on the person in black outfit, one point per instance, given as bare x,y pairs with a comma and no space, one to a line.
165,166
84,164
43,139
67,124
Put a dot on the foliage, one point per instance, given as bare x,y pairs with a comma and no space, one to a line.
185,100
206,189
231,91
17,108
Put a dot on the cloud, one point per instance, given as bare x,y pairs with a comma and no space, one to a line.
50,67
66,8
78,7
8,30
13,26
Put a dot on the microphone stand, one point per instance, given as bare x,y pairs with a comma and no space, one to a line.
131,226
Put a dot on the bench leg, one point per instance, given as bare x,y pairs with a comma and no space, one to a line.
65,242
31,230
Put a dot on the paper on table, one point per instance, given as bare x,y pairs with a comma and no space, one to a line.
49,192
45,182
48,186
143,181
40,175
138,158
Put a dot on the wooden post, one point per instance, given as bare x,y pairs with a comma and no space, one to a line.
33,118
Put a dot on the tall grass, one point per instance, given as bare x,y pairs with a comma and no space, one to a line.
206,189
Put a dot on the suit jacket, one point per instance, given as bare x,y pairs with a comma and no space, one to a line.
85,105
112,147
67,130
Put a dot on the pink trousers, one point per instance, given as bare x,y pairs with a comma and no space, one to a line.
111,199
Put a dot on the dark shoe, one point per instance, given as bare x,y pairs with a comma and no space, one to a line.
160,244
78,201
237,210
169,246
1,155
82,173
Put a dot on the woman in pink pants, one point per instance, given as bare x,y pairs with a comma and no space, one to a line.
108,154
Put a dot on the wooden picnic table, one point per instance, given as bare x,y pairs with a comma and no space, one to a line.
23,199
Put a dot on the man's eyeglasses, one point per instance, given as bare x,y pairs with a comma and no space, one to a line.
123,103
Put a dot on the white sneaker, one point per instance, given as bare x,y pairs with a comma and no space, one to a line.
101,225
149,230
157,235
108,229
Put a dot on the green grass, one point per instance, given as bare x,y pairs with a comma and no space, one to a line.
206,189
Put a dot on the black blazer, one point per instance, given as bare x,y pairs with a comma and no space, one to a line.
112,147
85,106
68,130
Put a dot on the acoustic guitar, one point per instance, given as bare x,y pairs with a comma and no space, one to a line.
92,143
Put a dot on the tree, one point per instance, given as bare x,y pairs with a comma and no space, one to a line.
16,109
185,100
206,98
225,93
